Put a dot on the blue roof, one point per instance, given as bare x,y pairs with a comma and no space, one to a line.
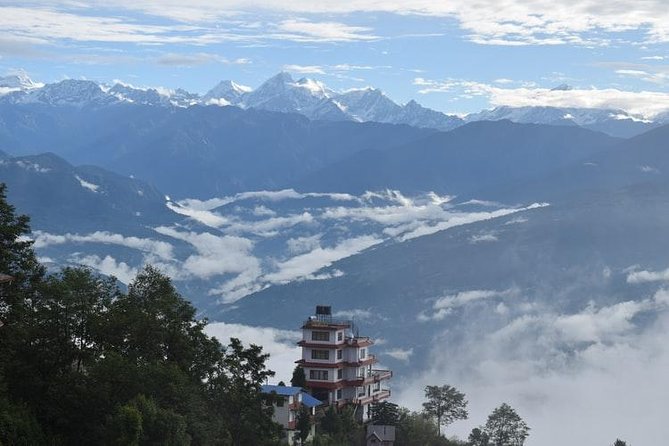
307,399
310,401
281,390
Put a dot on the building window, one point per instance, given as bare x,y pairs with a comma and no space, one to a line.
340,335
339,394
320,354
340,374
321,375
362,353
279,401
340,354
320,335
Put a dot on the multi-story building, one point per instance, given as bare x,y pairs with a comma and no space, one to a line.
338,365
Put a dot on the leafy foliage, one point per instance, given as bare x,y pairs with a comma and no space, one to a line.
303,424
419,429
446,404
506,428
385,413
299,379
83,363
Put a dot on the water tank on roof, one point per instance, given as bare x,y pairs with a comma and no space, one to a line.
323,310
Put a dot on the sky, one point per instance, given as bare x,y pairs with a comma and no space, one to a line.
453,56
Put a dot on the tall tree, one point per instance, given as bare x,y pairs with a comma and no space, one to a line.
303,424
478,437
299,379
446,404
385,413
506,428
236,388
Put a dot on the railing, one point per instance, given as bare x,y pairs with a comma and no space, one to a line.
314,322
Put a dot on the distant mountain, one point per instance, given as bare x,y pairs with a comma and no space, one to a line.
64,198
613,122
70,92
226,93
195,151
462,161
18,81
315,100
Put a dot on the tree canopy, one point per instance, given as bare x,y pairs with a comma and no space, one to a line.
446,404
82,362
506,428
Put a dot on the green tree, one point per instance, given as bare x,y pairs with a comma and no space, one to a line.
418,429
619,442
339,427
298,379
506,428
446,404
478,437
385,413
236,390
303,424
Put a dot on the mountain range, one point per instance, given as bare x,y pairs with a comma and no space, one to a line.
312,99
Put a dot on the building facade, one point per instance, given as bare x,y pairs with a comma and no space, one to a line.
287,402
338,365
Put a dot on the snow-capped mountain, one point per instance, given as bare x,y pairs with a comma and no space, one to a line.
283,94
227,92
18,81
315,100
152,96
611,121
68,92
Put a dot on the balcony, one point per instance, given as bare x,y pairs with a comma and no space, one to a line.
379,395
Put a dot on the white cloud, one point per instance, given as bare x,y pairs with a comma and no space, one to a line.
308,31
401,354
482,238
161,249
108,266
459,219
308,263
445,305
492,22
304,69
356,313
216,255
645,104
204,216
644,276
188,59
558,369
300,245
86,185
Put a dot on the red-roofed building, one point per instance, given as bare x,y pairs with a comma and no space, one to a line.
338,365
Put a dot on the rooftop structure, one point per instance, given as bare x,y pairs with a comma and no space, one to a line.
338,366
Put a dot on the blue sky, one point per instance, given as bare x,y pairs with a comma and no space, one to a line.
452,56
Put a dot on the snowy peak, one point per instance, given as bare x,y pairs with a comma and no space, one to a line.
18,81
70,92
227,92
129,93
610,121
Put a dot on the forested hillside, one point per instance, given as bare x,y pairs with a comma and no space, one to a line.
82,362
